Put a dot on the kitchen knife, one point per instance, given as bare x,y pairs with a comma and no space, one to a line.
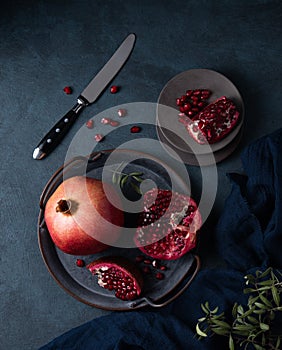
89,95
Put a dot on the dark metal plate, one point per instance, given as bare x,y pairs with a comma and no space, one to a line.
78,281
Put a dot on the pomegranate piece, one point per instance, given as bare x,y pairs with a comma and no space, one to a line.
114,89
119,274
68,90
105,121
192,102
135,129
114,123
214,122
168,227
80,262
99,137
89,124
122,112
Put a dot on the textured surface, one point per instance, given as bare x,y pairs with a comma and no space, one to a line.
46,45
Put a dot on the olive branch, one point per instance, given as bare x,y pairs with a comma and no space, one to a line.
120,178
253,326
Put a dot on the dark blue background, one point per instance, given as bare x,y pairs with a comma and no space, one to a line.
46,45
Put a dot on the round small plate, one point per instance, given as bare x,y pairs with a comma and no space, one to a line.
173,130
79,282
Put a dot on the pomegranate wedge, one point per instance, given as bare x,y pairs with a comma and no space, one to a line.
119,274
214,122
168,226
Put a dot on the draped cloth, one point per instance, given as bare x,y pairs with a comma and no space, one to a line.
248,236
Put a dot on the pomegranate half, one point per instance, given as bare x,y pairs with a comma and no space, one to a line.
80,218
168,225
119,274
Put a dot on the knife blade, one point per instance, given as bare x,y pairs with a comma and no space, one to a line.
88,96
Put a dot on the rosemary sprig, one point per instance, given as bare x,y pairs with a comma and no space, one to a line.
252,327
134,178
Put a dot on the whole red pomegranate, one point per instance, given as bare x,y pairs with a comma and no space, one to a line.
80,218
168,224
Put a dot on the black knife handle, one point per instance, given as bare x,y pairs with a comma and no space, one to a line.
51,140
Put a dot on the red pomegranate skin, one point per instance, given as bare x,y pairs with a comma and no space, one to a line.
87,227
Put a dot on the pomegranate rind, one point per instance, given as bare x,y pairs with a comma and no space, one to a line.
214,122
126,266
175,232
92,228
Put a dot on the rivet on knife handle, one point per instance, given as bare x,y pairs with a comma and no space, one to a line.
51,140
88,96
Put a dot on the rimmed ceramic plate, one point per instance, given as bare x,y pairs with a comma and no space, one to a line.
79,282
167,120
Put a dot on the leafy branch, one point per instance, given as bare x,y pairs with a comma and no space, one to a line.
120,178
252,327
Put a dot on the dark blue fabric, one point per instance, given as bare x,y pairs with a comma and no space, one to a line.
248,236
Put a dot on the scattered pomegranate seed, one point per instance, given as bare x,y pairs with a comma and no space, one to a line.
99,137
122,112
147,261
90,124
163,268
68,90
160,276
80,263
114,123
114,89
135,129
105,121
146,269
139,258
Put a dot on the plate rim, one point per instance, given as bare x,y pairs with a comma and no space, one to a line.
213,147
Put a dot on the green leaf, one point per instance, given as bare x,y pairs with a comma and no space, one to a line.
220,331
231,343
138,179
222,324
136,188
205,309
214,311
277,346
200,332
275,295
240,309
234,310
264,326
123,180
261,306
247,313
252,319
258,347
265,301
266,283
136,173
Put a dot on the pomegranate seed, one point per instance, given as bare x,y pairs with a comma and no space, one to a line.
114,89
160,276
147,261
99,137
114,123
122,112
163,268
80,262
105,121
90,124
139,258
68,90
135,129
146,269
